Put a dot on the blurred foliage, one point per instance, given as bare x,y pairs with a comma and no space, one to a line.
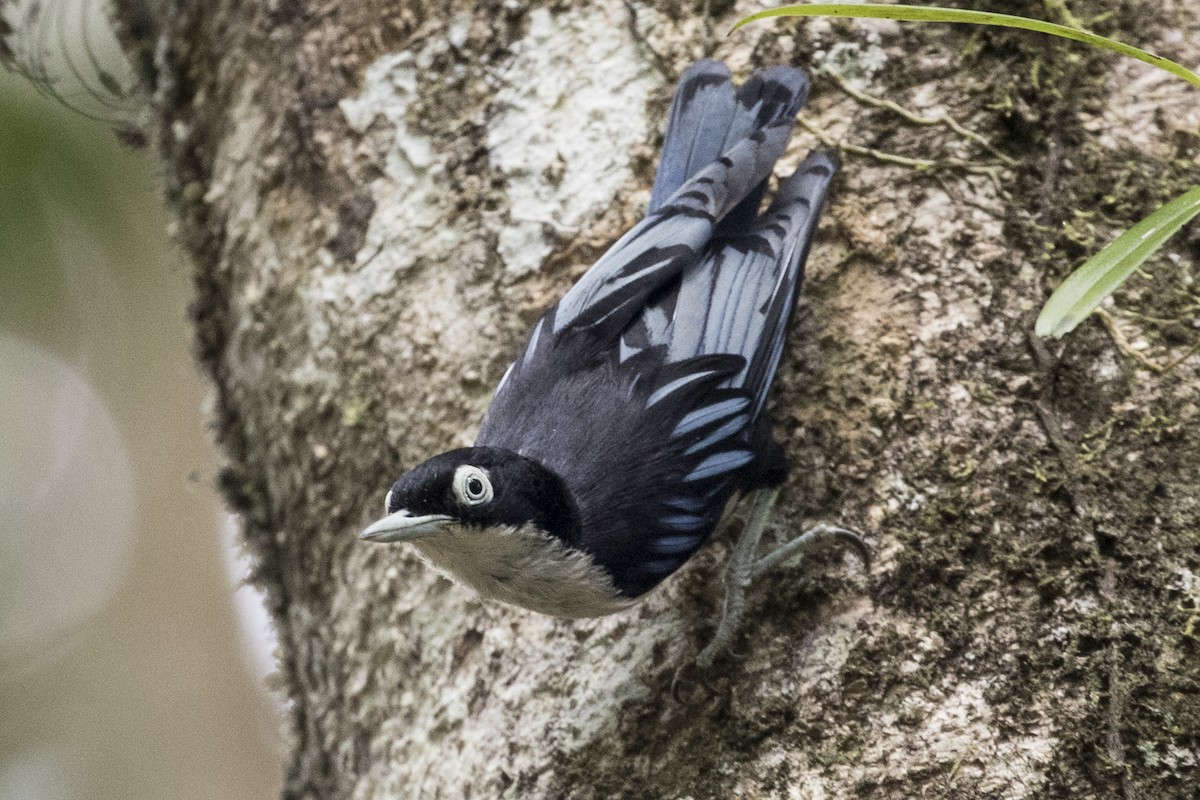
149,694
40,159
52,167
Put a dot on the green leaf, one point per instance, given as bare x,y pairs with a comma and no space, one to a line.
936,14
1087,286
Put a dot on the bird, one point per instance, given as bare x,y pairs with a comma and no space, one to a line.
637,409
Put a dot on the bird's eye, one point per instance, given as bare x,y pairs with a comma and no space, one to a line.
471,486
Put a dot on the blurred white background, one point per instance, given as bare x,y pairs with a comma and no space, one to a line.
131,663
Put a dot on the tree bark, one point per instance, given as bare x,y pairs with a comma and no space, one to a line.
381,197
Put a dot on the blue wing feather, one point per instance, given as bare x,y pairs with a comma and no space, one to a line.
661,246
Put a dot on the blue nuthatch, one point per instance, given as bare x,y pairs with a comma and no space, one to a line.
636,410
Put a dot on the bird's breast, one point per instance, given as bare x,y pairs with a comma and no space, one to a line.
524,566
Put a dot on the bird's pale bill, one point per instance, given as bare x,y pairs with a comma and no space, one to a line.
404,526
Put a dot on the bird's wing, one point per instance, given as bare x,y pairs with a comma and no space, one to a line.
740,297
718,153
659,247
675,422
601,305
706,117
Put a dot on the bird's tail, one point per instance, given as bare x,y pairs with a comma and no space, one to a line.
708,118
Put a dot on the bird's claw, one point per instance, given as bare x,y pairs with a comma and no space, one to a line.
688,682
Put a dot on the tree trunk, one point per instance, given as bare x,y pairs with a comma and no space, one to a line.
381,197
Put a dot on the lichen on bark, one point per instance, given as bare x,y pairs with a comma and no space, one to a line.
1029,629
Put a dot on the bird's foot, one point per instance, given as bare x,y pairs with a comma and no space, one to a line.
690,685
812,539
745,567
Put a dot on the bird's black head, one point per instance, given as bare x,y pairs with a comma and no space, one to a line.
477,487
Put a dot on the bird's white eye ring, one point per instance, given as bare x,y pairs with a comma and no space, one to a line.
387,502
472,486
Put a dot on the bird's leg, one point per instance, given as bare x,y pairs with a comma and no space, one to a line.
738,575
745,567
